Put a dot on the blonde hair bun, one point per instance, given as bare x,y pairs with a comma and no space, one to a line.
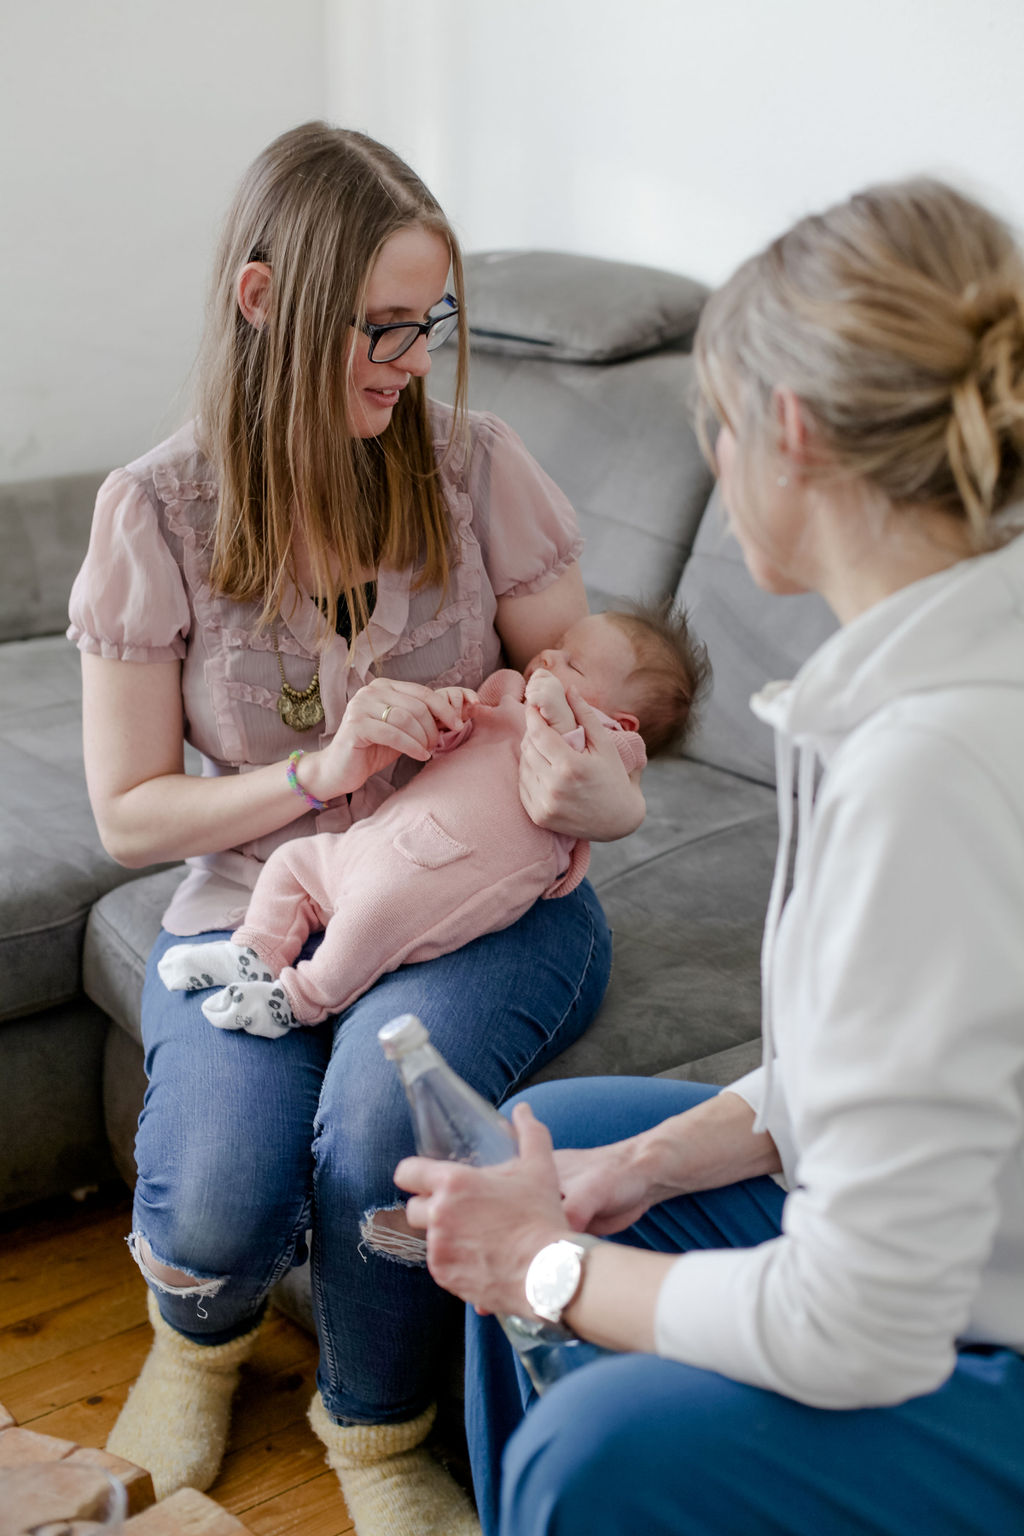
897,318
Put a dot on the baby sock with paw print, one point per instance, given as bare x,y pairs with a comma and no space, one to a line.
192,967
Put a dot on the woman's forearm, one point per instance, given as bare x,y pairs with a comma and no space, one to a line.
707,1147
149,811
617,1300
176,816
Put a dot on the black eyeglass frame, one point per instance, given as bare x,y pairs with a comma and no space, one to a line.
421,327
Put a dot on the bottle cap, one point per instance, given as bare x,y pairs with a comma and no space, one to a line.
401,1035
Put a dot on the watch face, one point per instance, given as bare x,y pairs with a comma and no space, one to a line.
552,1279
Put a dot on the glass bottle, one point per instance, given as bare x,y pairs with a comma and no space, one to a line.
450,1120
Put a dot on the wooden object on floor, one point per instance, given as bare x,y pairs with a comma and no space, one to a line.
185,1513
74,1334
21,1448
37,1487
51,1496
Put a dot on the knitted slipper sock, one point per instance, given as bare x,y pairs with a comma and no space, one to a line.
176,1418
391,1484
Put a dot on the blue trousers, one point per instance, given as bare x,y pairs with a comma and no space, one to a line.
634,1445
245,1143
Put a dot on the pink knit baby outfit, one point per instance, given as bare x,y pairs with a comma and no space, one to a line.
451,856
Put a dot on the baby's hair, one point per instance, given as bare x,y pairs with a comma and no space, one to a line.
672,674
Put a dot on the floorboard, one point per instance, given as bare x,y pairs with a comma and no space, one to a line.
73,1336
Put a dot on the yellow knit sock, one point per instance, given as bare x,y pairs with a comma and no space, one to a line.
176,1418
391,1484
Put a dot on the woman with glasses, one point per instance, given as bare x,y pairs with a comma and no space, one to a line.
814,1291
283,584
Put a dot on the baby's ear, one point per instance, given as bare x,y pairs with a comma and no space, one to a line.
627,721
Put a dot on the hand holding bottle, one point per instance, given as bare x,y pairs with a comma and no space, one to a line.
484,1225
463,1142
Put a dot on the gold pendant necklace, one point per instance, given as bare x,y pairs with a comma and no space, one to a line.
299,711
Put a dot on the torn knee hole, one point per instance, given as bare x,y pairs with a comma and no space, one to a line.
174,1282
388,1233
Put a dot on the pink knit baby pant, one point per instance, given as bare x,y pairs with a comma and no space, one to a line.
396,888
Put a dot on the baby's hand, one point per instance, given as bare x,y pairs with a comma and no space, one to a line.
547,696
458,698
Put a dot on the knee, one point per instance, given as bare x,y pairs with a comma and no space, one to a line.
567,1467
356,1150
164,1277
362,1132
385,1233
629,1443
222,1221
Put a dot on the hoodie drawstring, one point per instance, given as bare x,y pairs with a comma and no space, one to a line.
784,794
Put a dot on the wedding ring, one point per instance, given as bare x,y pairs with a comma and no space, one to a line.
385,712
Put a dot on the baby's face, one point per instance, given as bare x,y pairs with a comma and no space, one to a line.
595,657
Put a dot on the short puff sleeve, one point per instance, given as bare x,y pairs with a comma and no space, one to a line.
128,602
526,526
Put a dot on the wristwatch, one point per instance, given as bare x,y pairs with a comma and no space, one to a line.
556,1273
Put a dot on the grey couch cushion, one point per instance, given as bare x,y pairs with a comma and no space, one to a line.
53,865
685,896
122,929
45,533
753,637
600,433
576,308
540,320
51,1123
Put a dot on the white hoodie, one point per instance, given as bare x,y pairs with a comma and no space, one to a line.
893,1082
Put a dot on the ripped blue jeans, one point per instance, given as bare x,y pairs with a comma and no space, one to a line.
244,1144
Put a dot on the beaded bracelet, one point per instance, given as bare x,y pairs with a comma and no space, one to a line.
311,800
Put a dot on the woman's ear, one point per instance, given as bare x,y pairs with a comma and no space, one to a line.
795,438
253,292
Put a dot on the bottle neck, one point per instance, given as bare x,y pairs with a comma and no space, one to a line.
413,1063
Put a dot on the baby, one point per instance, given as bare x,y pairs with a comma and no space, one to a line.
453,854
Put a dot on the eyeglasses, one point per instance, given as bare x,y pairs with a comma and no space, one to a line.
389,342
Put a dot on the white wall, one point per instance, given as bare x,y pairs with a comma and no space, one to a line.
124,125
682,133
677,132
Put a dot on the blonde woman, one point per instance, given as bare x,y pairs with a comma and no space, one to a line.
284,584
819,1272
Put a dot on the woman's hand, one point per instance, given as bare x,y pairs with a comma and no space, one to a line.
484,1225
385,720
605,1189
580,794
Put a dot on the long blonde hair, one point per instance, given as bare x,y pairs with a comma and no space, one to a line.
317,205
897,319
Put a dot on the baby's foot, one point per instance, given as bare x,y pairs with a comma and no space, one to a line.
191,967
258,1007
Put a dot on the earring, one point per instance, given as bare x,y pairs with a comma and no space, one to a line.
782,482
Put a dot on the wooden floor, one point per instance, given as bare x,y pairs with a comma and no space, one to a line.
74,1334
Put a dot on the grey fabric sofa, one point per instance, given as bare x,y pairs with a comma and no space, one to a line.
589,361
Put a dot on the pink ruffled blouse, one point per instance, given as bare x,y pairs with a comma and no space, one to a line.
142,595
